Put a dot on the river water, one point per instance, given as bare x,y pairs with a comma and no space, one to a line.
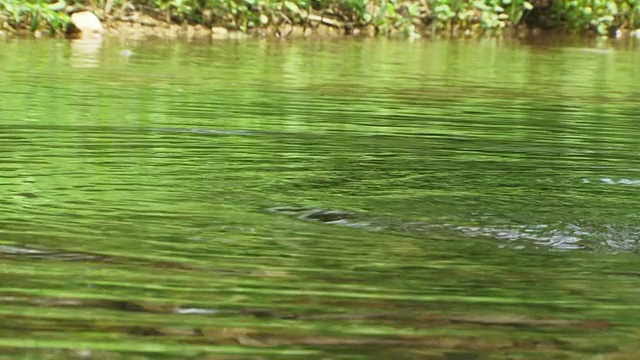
331,199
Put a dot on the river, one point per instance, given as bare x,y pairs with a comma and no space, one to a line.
329,199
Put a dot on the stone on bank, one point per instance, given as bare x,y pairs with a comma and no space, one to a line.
85,24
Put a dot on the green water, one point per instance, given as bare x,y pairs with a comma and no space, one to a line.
161,205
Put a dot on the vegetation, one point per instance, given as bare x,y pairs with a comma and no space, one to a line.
384,17
16,14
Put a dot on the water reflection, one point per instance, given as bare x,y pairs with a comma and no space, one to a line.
85,52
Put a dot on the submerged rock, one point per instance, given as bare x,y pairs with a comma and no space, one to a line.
11,250
327,216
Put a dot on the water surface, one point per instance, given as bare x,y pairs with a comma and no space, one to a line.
323,199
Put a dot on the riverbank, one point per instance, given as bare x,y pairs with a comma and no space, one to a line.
411,19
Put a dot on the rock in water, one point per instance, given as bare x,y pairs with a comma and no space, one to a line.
327,216
85,24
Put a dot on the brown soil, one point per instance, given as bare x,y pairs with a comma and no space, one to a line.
139,25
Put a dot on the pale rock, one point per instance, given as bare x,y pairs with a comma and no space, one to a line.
219,33
87,24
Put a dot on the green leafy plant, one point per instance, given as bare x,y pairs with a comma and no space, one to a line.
20,14
410,18
175,8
